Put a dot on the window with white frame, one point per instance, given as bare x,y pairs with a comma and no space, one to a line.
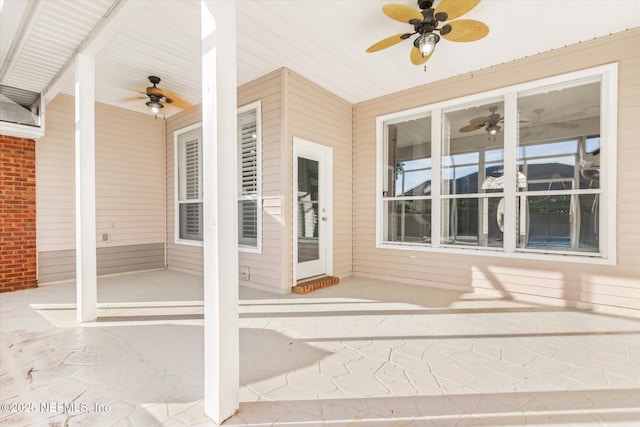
188,150
249,171
188,154
516,170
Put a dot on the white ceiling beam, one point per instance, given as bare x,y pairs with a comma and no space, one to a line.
110,24
29,19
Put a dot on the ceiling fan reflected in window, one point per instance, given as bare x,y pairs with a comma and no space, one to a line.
539,126
490,123
159,97
427,24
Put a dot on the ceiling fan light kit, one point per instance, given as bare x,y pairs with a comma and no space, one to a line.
426,23
158,98
426,43
154,106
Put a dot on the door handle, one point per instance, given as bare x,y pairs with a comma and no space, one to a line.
324,218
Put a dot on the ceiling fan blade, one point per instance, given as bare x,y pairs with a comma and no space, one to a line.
466,30
416,56
401,13
175,100
471,128
456,8
385,43
133,98
479,121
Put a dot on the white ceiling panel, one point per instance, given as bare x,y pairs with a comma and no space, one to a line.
324,40
57,30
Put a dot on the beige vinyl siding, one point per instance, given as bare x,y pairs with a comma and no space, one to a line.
54,266
319,116
129,183
265,267
576,284
55,178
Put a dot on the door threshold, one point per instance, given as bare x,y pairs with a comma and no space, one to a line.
310,284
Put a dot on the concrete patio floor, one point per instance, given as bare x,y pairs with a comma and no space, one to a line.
364,352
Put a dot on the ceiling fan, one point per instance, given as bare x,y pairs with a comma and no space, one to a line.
426,23
159,97
539,126
489,123
564,125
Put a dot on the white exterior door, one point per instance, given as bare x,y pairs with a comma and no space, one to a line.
312,172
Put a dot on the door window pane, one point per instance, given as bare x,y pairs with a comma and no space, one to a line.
308,215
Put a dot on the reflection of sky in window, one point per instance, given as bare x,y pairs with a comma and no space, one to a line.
460,159
411,181
593,143
458,172
555,148
493,155
416,172
411,165
459,165
564,160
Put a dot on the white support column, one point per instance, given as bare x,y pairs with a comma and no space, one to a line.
86,271
221,326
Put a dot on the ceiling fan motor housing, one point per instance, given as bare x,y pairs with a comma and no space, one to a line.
153,90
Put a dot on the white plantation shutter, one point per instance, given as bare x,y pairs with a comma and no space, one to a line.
248,158
248,222
249,142
192,169
189,175
192,218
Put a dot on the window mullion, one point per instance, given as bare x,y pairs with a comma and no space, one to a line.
608,163
436,186
510,170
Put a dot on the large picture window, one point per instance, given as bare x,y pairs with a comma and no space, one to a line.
517,171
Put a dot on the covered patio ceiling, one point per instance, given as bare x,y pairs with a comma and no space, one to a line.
324,41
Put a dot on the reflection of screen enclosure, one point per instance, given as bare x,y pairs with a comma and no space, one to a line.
556,169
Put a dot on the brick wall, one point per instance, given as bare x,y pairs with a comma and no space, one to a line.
17,214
